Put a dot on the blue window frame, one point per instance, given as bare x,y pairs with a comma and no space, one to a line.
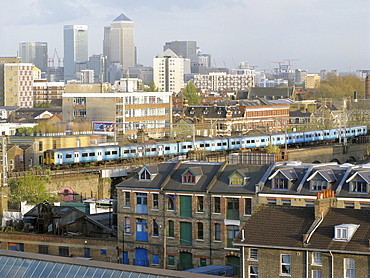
155,259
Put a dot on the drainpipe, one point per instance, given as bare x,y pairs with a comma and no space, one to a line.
307,264
243,262
332,264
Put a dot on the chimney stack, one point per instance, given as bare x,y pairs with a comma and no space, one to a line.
325,200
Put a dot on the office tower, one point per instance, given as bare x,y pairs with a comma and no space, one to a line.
169,70
119,42
184,49
97,63
75,48
87,76
35,53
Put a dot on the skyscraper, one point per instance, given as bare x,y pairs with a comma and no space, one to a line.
35,53
119,42
184,49
75,48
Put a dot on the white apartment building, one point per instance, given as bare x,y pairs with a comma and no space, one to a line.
240,80
169,70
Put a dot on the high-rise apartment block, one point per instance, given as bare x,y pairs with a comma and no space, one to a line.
35,53
75,48
119,42
169,70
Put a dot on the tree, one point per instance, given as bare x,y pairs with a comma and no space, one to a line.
152,87
31,188
190,93
339,87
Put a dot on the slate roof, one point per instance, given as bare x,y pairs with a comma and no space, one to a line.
278,226
209,170
284,227
298,113
122,17
269,93
337,175
251,172
164,169
206,111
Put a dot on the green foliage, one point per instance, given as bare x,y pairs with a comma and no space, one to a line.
272,149
152,87
190,93
25,131
340,86
31,188
43,105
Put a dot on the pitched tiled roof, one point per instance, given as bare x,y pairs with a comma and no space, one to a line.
284,227
278,226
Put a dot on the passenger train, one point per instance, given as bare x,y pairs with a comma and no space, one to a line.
57,157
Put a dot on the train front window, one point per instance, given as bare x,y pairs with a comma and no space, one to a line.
68,155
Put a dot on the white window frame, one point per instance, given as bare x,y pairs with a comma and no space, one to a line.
316,273
282,264
316,258
253,254
253,275
349,268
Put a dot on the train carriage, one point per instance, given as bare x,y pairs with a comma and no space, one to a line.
213,144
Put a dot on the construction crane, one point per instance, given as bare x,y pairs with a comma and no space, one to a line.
51,61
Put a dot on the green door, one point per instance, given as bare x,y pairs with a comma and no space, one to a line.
185,260
185,206
185,233
235,263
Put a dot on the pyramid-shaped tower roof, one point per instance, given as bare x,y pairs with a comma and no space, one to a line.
122,17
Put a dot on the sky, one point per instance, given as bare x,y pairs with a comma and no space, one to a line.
312,34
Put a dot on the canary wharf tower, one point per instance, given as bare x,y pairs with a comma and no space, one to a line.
119,42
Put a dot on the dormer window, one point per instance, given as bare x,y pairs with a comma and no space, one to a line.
283,178
188,177
359,182
147,173
237,179
191,175
344,232
321,179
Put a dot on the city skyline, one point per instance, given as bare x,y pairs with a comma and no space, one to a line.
329,35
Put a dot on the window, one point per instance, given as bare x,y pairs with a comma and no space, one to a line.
279,183
79,101
40,146
318,185
199,203
170,202
232,231
188,178
171,229
217,204
286,202
358,186
126,199
253,254
200,230
155,228
248,206
155,201
253,271
171,260
285,264
217,227
341,233
64,251
349,268
155,259
232,212
127,227
145,175
317,258
316,274
43,249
